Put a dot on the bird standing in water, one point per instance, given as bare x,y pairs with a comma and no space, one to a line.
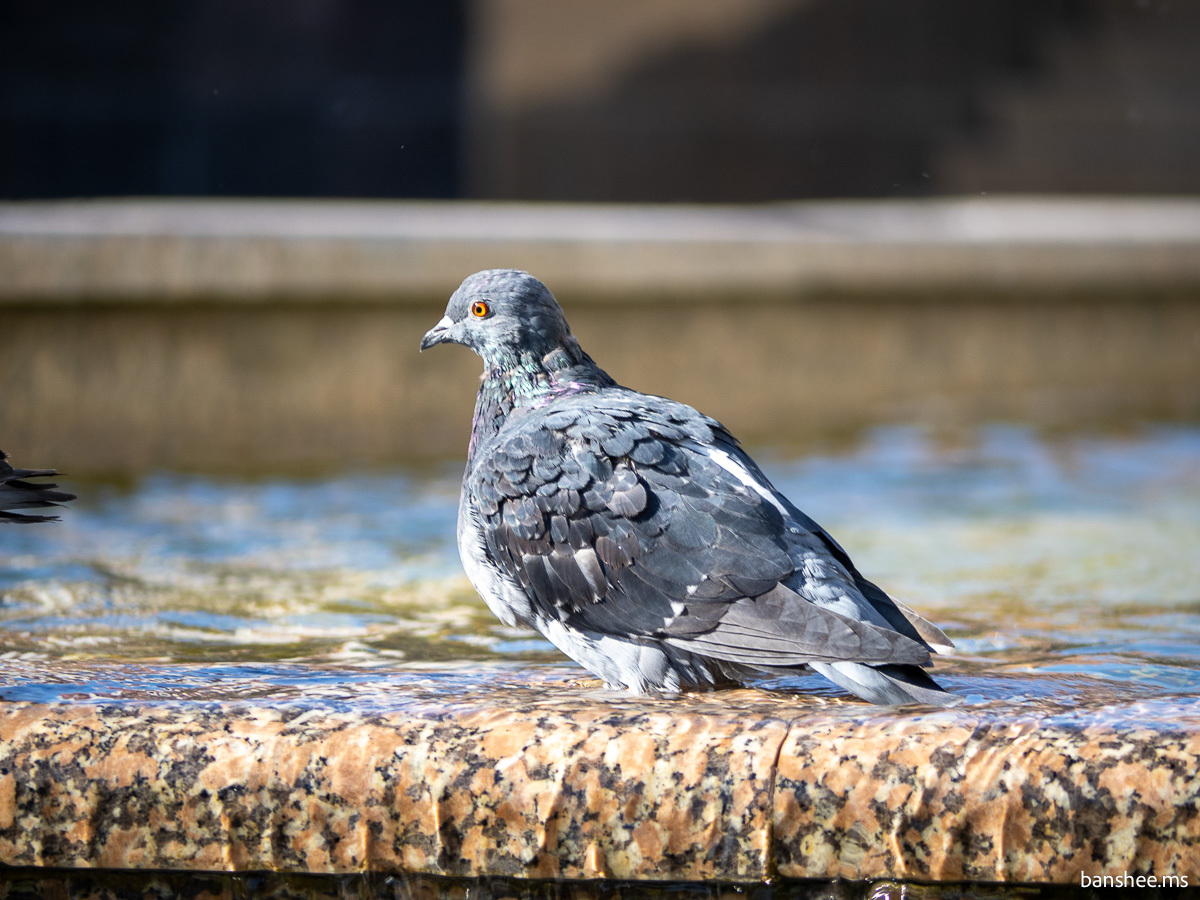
637,535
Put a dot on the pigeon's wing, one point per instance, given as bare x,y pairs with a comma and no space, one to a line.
623,516
866,595
902,618
16,493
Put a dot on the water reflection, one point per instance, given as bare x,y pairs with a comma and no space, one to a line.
1063,566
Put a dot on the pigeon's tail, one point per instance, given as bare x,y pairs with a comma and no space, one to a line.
889,685
16,493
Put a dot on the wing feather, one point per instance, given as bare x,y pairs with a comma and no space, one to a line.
622,523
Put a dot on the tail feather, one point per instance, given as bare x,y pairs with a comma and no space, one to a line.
888,685
16,493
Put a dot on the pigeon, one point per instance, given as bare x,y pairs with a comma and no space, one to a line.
16,493
637,536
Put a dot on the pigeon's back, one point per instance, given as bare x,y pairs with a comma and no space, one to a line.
637,523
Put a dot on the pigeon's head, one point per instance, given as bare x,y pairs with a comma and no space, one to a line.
502,314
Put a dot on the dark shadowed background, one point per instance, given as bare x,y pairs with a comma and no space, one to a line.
628,100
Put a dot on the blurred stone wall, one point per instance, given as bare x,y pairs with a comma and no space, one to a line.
126,389
261,336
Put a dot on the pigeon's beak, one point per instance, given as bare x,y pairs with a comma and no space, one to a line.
438,333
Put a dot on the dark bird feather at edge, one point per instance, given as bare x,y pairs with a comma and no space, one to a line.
16,492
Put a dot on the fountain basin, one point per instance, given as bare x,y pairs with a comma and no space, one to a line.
539,776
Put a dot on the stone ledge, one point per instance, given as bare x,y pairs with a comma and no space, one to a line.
553,781
238,250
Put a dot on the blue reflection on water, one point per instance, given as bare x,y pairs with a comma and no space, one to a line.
993,471
381,522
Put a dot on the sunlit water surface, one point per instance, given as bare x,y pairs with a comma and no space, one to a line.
1064,567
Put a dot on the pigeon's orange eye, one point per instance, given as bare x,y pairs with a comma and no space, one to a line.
479,309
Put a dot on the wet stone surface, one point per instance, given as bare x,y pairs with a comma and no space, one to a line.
446,778
540,776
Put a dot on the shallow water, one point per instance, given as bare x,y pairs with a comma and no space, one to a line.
1065,567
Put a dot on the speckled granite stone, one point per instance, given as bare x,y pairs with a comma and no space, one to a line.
580,792
564,781
960,797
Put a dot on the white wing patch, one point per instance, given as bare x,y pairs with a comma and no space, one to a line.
820,580
742,474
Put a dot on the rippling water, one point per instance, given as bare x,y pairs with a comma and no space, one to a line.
1062,566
